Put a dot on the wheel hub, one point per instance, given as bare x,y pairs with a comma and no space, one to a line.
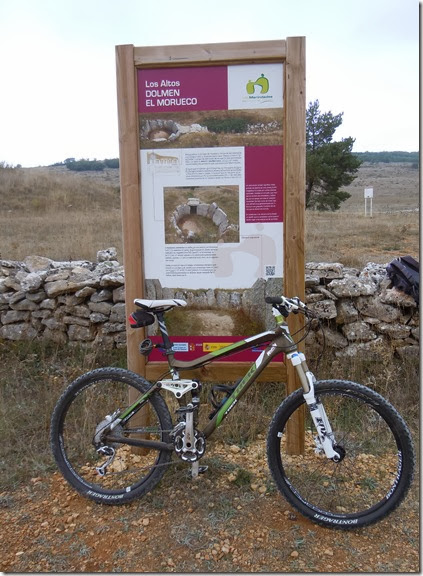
341,453
103,429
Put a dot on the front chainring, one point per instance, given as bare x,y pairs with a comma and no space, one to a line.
187,452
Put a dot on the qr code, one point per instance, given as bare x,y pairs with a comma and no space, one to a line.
270,270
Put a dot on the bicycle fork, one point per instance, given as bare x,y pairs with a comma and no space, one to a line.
317,410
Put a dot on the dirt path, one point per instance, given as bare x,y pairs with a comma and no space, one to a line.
213,524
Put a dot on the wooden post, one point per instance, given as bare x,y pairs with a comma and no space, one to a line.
130,205
294,220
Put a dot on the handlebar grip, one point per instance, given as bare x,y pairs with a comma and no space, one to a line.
273,300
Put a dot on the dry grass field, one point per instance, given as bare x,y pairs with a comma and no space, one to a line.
59,214
350,237
65,215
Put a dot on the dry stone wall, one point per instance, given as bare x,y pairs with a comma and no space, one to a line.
84,302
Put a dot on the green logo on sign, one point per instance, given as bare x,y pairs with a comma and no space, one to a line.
263,82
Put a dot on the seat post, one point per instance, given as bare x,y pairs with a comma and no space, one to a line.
165,335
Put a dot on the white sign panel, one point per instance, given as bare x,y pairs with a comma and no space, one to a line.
182,185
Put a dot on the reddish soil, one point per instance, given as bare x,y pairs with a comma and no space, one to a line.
207,525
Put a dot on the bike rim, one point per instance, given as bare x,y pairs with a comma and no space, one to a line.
130,466
367,476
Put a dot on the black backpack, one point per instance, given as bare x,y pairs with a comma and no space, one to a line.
404,273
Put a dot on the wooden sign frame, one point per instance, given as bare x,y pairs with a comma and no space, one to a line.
290,52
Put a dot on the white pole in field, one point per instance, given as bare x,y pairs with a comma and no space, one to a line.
368,194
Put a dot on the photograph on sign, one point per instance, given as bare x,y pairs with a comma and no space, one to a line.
211,158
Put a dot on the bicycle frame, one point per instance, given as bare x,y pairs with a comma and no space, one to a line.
278,340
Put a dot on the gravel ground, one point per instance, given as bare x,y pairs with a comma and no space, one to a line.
213,524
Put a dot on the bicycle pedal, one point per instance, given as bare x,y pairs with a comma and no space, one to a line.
202,469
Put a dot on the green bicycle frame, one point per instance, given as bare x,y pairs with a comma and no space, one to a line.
278,340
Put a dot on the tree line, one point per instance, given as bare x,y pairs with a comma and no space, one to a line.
85,164
388,157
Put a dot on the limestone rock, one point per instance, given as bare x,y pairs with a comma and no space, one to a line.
324,309
358,331
80,333
397,298
13,316
346,312
351,286
54,289
312,280
331,338
394,331
37,263
325,270
107,255
375,308
369,350
116,278
405,352
32,281
118,313
18,331
374,272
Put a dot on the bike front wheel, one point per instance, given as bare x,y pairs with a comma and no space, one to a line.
377,456
109,472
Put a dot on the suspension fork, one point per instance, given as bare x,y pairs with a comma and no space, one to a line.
317,410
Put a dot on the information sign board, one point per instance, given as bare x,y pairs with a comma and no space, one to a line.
212,158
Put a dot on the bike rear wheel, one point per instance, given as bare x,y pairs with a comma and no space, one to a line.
377,463
82,411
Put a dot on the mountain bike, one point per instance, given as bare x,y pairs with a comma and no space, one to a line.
356,460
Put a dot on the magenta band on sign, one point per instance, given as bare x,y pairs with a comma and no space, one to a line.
182,89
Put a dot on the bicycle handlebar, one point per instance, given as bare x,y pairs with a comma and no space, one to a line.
289,305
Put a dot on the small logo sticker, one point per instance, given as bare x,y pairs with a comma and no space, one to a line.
262,82
252,86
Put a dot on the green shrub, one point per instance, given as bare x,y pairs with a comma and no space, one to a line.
111,162
229,125
82,165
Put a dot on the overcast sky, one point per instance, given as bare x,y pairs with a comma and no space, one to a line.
58,70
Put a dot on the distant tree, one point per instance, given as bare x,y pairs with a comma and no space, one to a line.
5,166
111,162
329,165
84,165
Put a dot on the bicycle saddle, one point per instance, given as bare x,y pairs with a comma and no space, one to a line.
158,305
